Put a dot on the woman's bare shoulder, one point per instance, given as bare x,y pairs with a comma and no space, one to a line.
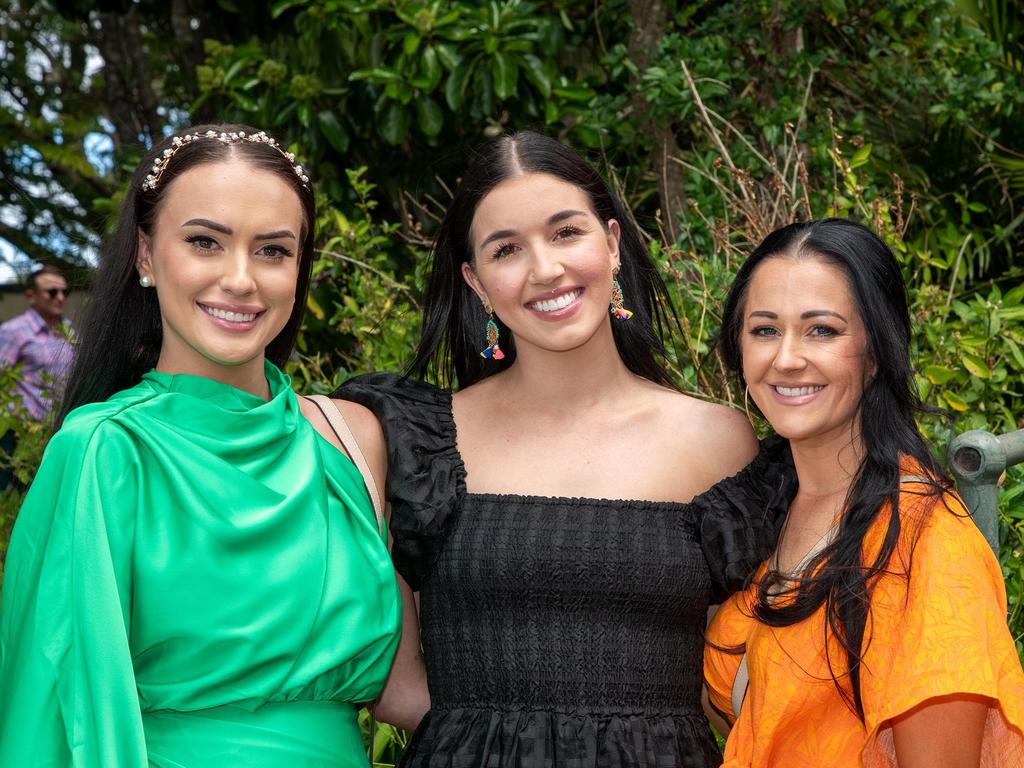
715,435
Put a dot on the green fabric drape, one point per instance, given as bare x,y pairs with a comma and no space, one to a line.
195,579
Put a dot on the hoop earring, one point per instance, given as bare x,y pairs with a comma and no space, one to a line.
492,351
618,311
746,404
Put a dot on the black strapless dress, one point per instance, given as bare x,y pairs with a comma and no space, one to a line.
561,632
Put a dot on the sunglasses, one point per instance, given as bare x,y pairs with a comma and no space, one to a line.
52,292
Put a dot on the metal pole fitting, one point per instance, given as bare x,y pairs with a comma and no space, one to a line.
978,459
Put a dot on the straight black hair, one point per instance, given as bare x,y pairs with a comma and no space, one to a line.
121,331
838,577
454,320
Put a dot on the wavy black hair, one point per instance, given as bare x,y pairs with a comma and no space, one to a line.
838,577
453,321
121,332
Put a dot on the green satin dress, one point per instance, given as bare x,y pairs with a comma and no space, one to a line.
195,579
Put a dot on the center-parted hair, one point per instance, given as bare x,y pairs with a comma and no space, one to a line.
121,332
839,578
454,319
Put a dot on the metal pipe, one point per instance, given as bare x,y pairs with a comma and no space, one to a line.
978,459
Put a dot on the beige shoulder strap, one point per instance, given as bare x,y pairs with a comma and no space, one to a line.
739,687
333,415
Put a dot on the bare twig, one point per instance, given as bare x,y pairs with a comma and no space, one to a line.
956,268
715,136
388,280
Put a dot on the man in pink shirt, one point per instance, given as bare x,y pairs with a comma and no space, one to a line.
40,339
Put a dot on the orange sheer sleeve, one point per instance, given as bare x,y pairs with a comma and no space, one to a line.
942,633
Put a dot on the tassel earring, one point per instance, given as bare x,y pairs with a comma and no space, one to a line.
493,351
617,309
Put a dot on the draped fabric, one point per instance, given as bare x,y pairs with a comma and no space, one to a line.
195,579
560,631
937,627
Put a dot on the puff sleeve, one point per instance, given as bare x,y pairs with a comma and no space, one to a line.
740,516
426,477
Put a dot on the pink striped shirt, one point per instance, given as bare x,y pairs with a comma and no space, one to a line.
46,355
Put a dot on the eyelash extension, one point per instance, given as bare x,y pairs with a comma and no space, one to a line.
506,249
502,250
569,229
193,239
282,251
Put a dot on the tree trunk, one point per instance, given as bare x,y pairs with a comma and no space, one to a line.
128,91
649,20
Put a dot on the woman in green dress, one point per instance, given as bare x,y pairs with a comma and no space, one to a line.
197,576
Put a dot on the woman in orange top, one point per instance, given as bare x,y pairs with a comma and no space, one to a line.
876,633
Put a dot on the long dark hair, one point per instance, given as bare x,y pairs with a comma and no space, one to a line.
838,577
121,332
453,321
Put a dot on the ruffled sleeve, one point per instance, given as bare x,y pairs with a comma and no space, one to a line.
426,478
740,516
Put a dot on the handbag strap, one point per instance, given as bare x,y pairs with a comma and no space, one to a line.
333,415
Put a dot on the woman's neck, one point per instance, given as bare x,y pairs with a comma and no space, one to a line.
826,465
248,377
592,373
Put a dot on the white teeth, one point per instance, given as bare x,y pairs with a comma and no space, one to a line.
231,317
550,305
797,391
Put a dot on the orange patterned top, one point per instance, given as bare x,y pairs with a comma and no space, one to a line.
944,634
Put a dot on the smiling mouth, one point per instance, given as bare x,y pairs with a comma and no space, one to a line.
231,317
560,302
797,391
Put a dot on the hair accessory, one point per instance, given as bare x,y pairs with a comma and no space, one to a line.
617,309
493,351
160,164
146,281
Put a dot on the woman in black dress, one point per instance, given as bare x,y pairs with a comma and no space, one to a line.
554,514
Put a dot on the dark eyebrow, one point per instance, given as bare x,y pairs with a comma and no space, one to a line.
805,316
284,233
822,313
208,224
563,215
501,234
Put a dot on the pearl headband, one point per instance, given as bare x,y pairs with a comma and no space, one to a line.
160,164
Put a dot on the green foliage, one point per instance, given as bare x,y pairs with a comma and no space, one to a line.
717,122
378,83
386,740
361,317
30,439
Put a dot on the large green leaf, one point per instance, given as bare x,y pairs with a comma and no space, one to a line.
455,88
280,6
533,68
431,68
976,366
394,122
506,75
429,116
331,127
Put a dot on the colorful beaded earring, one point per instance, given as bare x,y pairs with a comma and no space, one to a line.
617,309
493,351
